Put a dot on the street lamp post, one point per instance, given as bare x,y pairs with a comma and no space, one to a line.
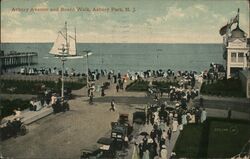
87,71
88,52
62,91
63,59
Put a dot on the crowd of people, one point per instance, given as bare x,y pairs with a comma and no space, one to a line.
47,71
113,75
215,72
166,120
49,99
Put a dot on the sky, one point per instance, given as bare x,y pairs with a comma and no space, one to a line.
119,21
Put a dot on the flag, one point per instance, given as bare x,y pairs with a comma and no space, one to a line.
223,30
235,19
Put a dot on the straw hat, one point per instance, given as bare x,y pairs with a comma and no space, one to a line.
164,146
150,140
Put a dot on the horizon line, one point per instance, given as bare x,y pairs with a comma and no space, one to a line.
126,42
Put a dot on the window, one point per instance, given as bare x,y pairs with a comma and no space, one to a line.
233,57
240,57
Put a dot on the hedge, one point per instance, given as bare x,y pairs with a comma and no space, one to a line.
227,87
35,87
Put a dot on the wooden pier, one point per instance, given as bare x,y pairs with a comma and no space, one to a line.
15,59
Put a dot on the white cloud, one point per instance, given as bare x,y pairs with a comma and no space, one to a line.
24,35
175,13
172,13
175,25
201,7
9,18
43,4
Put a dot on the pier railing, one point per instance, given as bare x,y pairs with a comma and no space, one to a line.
15,59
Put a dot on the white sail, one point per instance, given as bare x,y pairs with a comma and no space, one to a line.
72,46
66,42
59,43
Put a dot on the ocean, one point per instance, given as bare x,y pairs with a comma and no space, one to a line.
125,57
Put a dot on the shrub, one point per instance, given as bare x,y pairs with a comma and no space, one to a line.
138,85
7,106
230,87
164,85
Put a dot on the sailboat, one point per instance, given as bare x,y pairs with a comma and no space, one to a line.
65,45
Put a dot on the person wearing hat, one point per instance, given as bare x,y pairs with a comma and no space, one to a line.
164,152
152,147
145,154
203,115
175,125
161,143
112,104
53,99
184,118
169,134
17,113
140,146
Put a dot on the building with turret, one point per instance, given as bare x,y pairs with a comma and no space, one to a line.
237,52
236,48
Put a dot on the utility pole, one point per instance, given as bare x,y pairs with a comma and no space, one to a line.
87,80
63,59
88,52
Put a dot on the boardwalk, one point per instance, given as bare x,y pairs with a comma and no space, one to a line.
64,135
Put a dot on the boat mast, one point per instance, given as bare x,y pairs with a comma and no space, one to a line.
63,60
75,41
66,37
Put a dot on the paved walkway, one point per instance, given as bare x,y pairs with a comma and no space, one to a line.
221,113
224,103
126,101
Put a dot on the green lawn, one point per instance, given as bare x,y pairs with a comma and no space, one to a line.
7,106
188,142
141,85
138,86
164,85
217,138
226,139
227,87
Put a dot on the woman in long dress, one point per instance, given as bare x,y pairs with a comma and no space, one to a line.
203,115
145,155
184,119
164,152
175,125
